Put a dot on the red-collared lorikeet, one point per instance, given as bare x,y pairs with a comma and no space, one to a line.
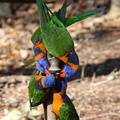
62,105
40,54
56,38
53,34
39,88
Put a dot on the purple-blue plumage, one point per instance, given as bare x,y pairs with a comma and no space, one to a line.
42,64
37,51
68,71
49,80
40,56
61,84
73,57
45,82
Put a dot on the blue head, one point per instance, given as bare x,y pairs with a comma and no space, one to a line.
45,82
42,64
37,51
49,80
68,71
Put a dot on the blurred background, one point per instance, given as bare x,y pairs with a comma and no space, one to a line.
94,90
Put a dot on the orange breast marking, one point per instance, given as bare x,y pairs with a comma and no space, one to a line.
57,103
41,46
37,77
39,56
63,58
73,66
42,82
62,91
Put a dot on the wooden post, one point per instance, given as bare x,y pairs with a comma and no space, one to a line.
50,114
54,68
54,63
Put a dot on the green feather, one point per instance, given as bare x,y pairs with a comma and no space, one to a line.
62,12
29,63
36,96
36,35
56,38
71,20
67,111
66,22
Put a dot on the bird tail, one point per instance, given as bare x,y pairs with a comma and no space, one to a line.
43,12
71,20
62,12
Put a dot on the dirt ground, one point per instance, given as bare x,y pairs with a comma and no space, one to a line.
94,90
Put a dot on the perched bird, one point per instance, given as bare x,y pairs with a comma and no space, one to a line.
53,34
39,88
56,38
71,64
40,52
62,105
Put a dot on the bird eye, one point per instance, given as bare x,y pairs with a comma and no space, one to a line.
41,65
67,73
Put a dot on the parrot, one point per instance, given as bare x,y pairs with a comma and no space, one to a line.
71,65
40,56
53,34
62,105
40,52
56,38
39,88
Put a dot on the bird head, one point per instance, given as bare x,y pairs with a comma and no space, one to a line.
42,64
68,71
48,81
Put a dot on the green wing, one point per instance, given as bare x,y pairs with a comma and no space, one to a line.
71,20
56,38
62,12
36,96
29,63
36,35
67,111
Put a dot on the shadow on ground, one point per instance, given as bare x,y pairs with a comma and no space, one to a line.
100,69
